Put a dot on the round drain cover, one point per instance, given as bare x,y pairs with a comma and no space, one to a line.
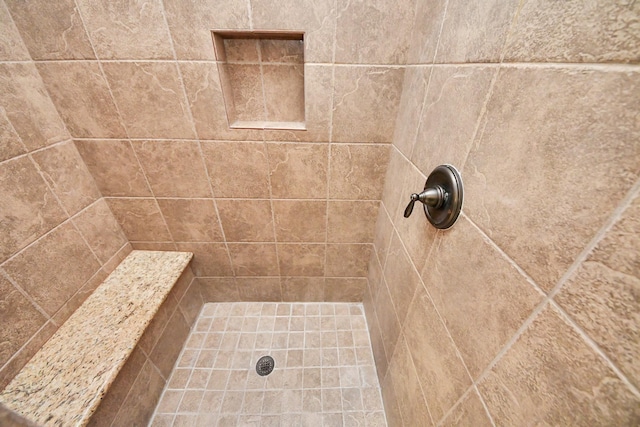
265,365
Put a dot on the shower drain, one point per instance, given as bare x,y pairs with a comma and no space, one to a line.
265,365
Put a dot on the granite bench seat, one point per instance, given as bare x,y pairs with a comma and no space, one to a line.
66,380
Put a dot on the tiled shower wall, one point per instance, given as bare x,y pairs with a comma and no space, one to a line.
526,311
270,215
58,238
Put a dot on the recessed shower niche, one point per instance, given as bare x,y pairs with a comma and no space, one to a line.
262,78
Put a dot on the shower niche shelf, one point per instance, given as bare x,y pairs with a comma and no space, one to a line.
262,78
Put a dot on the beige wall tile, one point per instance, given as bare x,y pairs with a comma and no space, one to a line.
374,278
240,50
22,90
81,95
426,31
300,220
191,24
394,195
483,299
131,30
63,168
382,235
303,289
347,289
138,407
377,346
168,347
250,259
358,171
347,260
114,167
12,47
44,272
475,31
301,260
287,51
469,412
101,230
439,367
259,288
374,32
51,31
191,220
157,108
20,318
28,209
597,33
284,92
298,170
351,221
238,169
10,142
365,103
503,203
154,246
559,383
401,277
392,411
218,289
601,296
247,93
246,220
174,168
140,219
79,297
191,303
414,88
456,96
209,259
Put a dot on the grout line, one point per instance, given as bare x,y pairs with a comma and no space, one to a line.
484,405
244,141
19,288
24,346
29,152
273,215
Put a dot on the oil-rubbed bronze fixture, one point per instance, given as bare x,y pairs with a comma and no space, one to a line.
442,197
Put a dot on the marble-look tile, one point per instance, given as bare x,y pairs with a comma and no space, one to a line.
597,33
564,382
174,168
44,272
28,209
426,31
10,142
366,101
81,95
254,259
438,365
51,31
300,220
358,171
101,230
114,167
237,169
246,220
22,90
475,31
374,32
298,170
284,92
456,96
301,259
597,151
344,289
21,319
204,93
469,412
414,88
157,107
140,219
351,221
63,168
316,18
12,47
218,289
259,289
247,93
286,51
602,295
191,24
401,277
481,297
191,220
240,50
209,259
127,30
303,289
347,260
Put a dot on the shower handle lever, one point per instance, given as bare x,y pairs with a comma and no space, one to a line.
434,197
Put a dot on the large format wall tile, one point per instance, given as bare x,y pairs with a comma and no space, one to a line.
251,259
209,259
101,230
401,277
469,412
301,259
426,31
300,220
546,155
246,220
357,171
347,260
150,98
298,171
140,219
414,88
81,95
10,142
12,47
51,30
350,221
191,220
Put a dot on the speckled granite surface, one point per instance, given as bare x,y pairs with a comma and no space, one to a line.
65,380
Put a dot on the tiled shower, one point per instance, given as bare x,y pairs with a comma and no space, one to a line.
115,136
